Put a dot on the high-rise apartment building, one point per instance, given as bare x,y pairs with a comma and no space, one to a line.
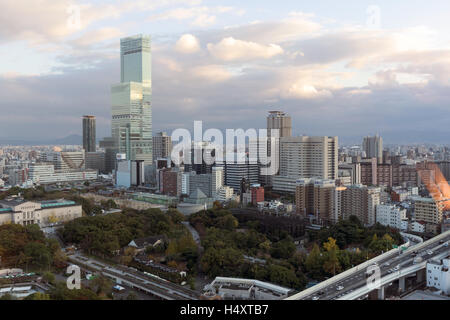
349,173
281,121
373,146
276,120
369,172
162,146
315,197
308,157
360,201
89,142
429,211
131,126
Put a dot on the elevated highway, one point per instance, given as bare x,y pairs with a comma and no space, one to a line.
130,277
394,264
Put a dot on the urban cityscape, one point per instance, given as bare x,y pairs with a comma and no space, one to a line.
191,212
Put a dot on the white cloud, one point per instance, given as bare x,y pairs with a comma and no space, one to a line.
215,73
199,16
187,44
294,63
230,49
305,91
97,36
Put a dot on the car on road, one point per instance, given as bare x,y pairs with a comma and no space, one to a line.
387,264
446,244
430,252
340,288
397,268
417,260
315,298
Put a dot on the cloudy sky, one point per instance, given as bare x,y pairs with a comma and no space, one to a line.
346,68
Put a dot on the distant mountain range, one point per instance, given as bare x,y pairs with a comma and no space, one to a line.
73,139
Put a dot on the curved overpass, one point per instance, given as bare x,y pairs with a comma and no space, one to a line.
344,285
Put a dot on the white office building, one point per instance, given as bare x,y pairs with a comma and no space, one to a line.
392,216
438,274
41,173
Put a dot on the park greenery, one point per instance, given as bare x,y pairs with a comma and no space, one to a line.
229,247
27,248
330,251
229,251
352,232
106,234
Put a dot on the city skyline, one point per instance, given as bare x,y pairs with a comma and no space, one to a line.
224,152
337,73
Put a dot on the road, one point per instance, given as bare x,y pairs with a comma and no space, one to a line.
358,279
135,279
194,232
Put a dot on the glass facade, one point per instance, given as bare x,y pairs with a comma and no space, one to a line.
89,142
131,111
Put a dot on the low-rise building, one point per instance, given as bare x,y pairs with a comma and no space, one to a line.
257,193
247,289
44,213
416,226
438,274
284,184
44,173
224,193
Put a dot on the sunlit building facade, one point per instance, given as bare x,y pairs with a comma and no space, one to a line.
131,110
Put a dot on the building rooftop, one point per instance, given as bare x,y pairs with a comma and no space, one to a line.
7,205
424,295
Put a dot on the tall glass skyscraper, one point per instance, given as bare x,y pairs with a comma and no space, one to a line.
89,143
131,109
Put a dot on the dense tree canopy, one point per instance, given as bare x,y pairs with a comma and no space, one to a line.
27,247
105,234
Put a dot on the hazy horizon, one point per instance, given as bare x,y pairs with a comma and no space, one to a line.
347,73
